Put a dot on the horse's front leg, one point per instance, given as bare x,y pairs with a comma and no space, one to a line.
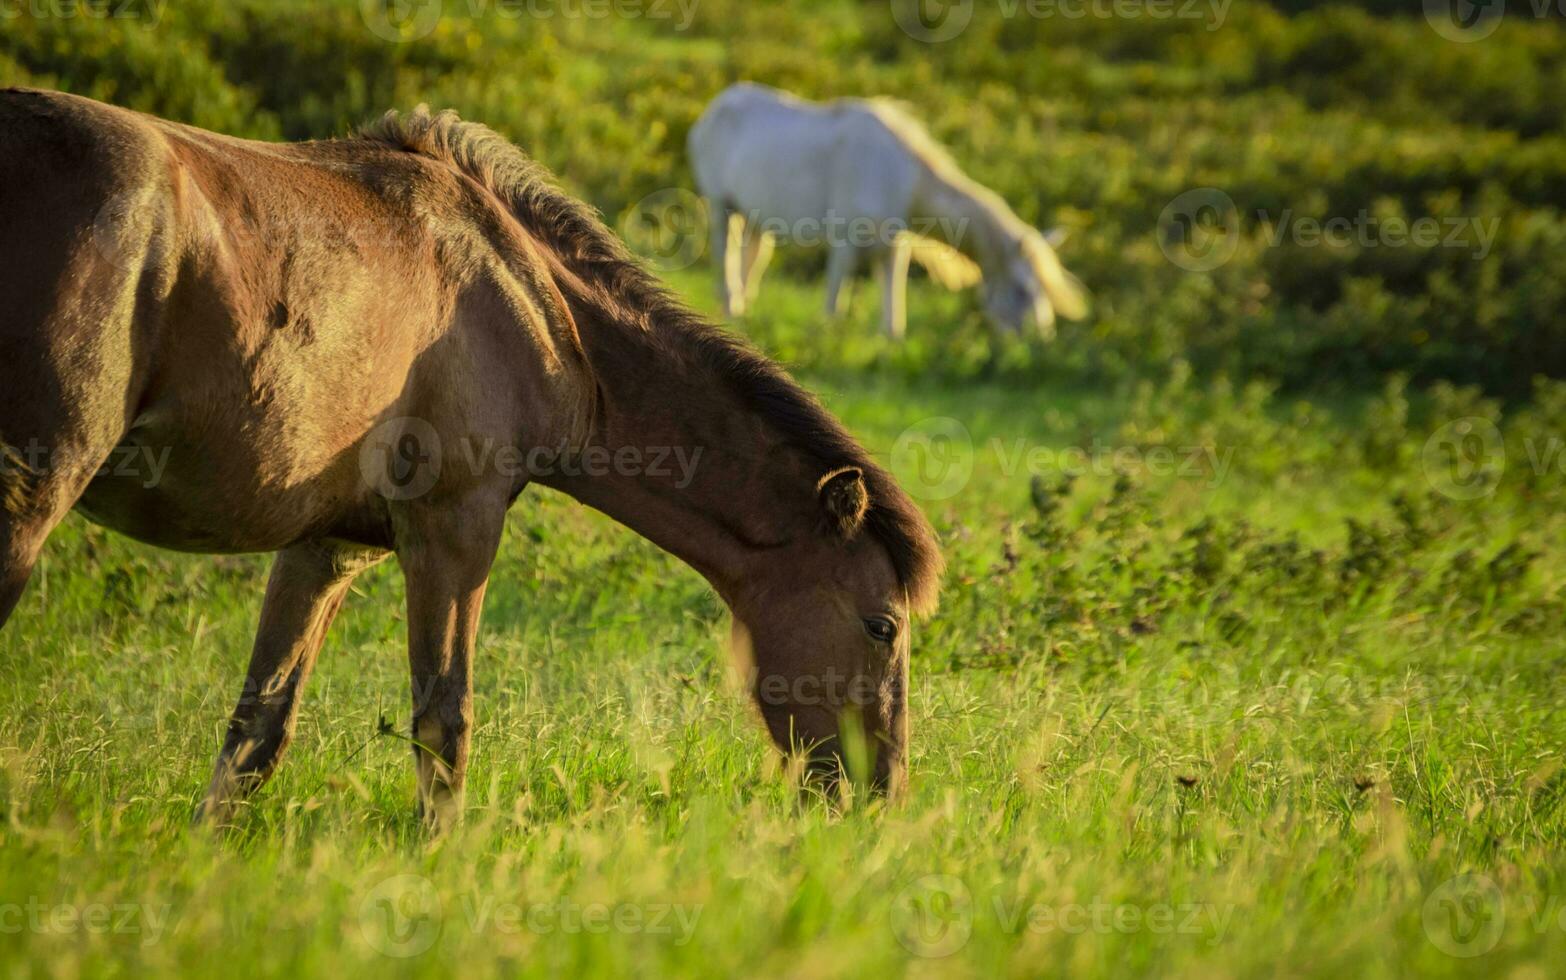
446,553
754,257
892,268
306,589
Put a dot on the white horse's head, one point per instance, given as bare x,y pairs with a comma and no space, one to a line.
1032,286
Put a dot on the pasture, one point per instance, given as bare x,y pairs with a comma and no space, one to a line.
1249,660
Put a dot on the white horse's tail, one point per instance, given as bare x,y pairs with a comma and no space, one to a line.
945,264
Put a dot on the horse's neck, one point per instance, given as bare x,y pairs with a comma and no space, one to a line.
973,219
674,455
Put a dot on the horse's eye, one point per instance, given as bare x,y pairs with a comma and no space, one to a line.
881,629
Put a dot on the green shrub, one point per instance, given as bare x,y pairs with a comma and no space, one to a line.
1299,111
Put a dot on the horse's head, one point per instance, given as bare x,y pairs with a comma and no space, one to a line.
1031,287
825,637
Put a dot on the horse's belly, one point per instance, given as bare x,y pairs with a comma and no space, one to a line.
210,499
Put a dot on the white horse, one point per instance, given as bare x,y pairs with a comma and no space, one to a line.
864,178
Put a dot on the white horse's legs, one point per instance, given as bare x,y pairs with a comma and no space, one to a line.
756,253
841,260
892,270
726,260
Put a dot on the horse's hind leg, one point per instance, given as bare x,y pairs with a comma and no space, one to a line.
37,489
61,415
841,260
18,544
306,589
19,547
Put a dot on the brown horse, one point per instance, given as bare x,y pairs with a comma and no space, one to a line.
344,350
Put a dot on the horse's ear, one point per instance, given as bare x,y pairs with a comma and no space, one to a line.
844,500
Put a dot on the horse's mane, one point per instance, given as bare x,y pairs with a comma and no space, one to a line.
575,231
1065,291
898,116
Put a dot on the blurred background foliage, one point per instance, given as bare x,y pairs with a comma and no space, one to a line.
1094,124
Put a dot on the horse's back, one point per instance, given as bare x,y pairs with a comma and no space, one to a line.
214,322
772,155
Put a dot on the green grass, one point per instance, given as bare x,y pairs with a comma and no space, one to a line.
1164,725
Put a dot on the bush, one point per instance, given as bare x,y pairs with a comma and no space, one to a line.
1301,112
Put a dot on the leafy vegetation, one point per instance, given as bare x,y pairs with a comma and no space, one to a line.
1096,123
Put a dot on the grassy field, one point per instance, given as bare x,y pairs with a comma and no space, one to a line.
1283,702
1250,660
